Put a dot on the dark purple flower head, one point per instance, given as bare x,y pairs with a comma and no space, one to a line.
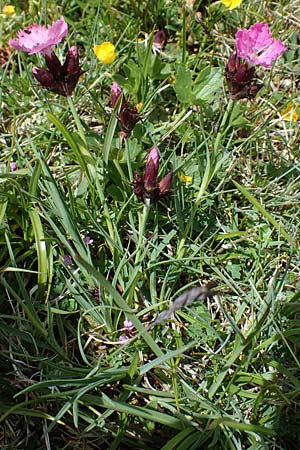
38,38
71,64
165,184
128,115
241,79
147,187
160,39
128,118
61,79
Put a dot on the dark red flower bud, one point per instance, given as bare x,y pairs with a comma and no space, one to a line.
128,118
151,170
164,185
54,65
71,64
44,77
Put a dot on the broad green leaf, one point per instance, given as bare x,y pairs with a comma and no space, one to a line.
183,84
210,82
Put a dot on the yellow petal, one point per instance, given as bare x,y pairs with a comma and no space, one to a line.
289,113
9,10
186,178
231,4
105,52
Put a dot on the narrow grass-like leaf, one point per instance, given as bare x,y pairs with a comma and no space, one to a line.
176,440
111,128
161,359
121,304
81,153
137,411
252,428
41,250
264,212
63,211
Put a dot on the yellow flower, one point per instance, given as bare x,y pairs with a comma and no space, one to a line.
185,178
172,79
9,10
105,52
289,113
231,4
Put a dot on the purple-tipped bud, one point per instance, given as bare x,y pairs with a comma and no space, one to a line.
160,39
164,185
116,91
71,64
146,187
44,77
128,116
151,170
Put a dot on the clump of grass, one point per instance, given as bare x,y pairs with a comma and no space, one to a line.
86,266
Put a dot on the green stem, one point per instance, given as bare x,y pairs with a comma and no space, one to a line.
142,226
77,119
222,125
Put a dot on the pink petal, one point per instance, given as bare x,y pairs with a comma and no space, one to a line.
38,38
258,46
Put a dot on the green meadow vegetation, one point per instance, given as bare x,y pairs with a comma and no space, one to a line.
94,245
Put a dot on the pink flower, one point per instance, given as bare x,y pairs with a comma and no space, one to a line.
38,38
88,240
128,326
13,166
257,45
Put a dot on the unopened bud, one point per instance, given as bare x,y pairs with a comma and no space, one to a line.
164,185
116,91
54,65
44,77
71,64
151,169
